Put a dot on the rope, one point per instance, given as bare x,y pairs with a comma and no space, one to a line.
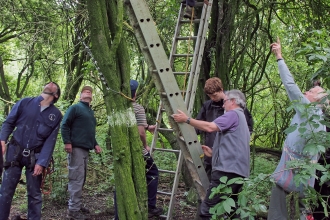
47,172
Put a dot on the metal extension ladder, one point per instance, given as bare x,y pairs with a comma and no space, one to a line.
170,94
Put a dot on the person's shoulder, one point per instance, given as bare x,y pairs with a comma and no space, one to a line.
207,103
136,105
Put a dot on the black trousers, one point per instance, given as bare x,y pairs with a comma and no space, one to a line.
1,161
215,181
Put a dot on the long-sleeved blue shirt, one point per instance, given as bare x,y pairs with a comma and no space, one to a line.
34,128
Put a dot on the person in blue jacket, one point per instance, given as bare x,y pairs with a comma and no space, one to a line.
34,124
78,134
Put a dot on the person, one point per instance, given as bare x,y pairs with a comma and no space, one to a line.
294,143
151,167
212,109
78,134
190,4
323,189
232,136
34,123
1,163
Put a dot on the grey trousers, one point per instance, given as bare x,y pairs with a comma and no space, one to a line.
277,207
77,161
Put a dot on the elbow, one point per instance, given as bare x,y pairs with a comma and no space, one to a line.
210,129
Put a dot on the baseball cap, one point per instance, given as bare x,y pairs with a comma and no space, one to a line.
134,85
87,88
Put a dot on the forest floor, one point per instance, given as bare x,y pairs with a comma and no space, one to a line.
97,204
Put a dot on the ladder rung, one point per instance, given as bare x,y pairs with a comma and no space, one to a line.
181,138
190,160
197,4
187,38
165,129
166,171
164,193
185,21
183,55
167,150
163,94
162,216
181,73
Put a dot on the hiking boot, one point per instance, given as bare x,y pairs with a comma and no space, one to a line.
84,210
154,212
76,215
189,11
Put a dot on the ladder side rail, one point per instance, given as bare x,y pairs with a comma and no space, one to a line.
175,186
205,29
189,143
200,36
165,82
176,34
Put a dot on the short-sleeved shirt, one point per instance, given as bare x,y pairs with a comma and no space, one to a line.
227,122
141,119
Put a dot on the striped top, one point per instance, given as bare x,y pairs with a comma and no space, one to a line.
141,119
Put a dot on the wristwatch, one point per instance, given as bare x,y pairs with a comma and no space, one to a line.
188,121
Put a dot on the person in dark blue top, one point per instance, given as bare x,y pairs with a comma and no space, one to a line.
34,124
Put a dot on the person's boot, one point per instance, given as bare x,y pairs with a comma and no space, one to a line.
189,11
154,212
75,215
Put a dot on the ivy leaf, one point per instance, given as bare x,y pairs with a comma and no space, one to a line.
223,179
226,206
291,129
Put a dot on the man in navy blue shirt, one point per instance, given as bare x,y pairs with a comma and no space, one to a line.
34,124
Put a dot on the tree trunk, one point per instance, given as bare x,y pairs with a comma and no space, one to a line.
114,64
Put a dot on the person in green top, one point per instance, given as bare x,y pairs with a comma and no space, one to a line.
78,134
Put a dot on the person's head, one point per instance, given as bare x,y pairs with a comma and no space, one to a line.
315,94
134,85
86,94
52,89
234,99
316,82
214,89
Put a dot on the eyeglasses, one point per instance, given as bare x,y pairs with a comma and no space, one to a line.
225,100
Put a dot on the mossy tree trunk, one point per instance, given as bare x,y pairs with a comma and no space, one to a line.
112,58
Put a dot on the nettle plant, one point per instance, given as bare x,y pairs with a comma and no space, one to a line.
249,205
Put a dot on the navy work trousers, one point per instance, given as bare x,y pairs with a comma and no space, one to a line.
152,180
191,3
11,177
215,181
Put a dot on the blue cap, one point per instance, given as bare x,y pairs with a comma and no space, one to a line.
134,85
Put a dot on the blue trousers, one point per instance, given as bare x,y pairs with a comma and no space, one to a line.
152,180
11,177
191,3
